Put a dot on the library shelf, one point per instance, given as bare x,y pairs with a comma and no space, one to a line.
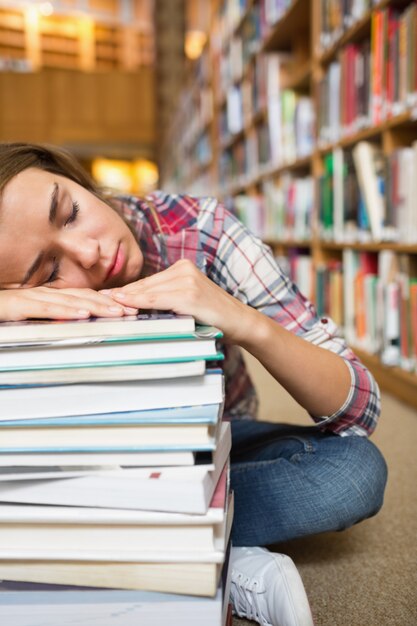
356,32
298,77
269,171
257,118
371,246
237,26
404,119
294,21
288,243
394,380
309,50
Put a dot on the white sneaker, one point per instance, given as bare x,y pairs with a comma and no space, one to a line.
266,587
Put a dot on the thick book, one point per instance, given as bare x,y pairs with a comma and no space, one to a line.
108,437
79,399
183,573
142,323
44,514
176,489
108,352
100,373
28,604
49,528
197,414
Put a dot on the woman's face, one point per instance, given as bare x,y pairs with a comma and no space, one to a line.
54,232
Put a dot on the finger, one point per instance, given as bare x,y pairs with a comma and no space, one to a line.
25,309
182,268
97,298
162,299
89,300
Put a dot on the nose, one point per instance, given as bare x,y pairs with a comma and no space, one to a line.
82,250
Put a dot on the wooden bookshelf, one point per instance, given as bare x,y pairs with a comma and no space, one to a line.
310,49
85,35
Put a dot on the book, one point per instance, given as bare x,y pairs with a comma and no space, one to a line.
107,351
54,463
44,514
104,437
79,399
49,528
25,604
368,161
183,573
142,323
177,489
196,414
90,459
100,373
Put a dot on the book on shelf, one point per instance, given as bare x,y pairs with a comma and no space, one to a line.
329,290
357,195
413,318
401,190
389,306
57,529
182,489
369,163
379,305
407,354
360,298
89,399
149,324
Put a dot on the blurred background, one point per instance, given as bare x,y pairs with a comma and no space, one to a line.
100,77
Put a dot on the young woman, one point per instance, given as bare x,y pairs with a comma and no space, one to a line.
66,251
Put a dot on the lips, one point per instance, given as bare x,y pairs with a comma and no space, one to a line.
116,264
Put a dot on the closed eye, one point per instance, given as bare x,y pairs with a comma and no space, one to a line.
74,213
55,271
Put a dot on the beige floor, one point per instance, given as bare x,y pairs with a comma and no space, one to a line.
367,575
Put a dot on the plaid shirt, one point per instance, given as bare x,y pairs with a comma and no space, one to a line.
173,227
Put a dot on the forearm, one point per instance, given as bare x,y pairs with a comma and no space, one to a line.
318,379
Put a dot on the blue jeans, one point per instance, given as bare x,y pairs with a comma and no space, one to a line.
292,481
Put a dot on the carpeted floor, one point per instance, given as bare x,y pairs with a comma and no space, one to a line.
367,575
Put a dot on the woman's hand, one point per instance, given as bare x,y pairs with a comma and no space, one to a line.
49,303
185,290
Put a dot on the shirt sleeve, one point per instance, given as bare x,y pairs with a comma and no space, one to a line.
245,267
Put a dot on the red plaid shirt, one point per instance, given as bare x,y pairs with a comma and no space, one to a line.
173,227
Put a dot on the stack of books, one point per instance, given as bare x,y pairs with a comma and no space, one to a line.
115,505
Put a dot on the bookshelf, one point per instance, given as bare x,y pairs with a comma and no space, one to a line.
297,86
86,35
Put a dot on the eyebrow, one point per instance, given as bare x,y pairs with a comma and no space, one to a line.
53,209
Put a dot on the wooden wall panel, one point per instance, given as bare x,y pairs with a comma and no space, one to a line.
128,104
22,107
72,107
76,106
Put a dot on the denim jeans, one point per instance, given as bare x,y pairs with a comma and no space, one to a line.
292,481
